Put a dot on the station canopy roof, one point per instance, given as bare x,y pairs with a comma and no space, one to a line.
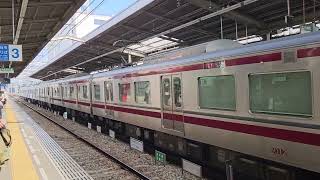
149,26
35,23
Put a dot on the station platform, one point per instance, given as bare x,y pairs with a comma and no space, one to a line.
34,154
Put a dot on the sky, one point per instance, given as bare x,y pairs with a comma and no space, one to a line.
110,7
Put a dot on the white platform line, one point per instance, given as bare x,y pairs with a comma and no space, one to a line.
23,134
32,150
43,174
27,141
36,159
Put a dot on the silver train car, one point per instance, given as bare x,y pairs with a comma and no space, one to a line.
255,105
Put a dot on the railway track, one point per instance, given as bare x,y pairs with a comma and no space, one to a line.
98,168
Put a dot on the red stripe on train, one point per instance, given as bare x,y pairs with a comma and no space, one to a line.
138,112
283,134
98,106
84,103
254,59
70,101
309,52
208,65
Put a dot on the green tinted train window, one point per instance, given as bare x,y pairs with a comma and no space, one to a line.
96,92
281,93
217,92
85,92
142,92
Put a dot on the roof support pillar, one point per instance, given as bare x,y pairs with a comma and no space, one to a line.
268,36
129,58
23,9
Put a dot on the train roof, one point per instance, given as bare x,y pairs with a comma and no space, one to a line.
260,47
281,43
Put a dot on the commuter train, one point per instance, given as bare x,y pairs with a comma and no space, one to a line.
256,106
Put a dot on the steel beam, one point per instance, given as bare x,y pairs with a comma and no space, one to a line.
214,14
24,6
240,17
84,62
146,32
38,4
30,21
174,22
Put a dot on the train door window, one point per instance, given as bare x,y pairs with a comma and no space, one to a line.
109,91
166,91
177,91
65,91
142,92
281,93
217,92
96,92
71,91
80,89
124,92
85,92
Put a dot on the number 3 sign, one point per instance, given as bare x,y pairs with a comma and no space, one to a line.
15,53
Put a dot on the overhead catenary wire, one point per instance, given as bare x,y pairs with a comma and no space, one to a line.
51,46
77,24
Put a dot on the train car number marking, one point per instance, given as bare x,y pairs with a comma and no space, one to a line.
279,151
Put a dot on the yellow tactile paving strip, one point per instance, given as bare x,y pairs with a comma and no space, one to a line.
20,160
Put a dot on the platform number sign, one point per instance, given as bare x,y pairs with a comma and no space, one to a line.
160,157
10,52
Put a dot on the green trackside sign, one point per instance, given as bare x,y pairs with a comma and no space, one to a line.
6,70
160,157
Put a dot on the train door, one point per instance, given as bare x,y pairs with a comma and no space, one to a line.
108,97
171,99
51,96
91,96
63,92
77,87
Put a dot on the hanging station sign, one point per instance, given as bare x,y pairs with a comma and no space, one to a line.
6,70
10,52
